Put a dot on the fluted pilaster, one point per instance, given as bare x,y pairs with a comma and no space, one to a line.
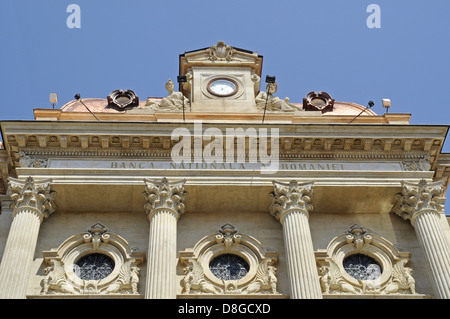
164,207
32,202
291,206
422,204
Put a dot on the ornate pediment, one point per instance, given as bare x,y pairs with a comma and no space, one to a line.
220,54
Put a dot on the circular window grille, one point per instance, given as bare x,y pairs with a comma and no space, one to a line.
93,267
229,267
362,267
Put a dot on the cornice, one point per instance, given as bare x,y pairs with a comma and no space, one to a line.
43,140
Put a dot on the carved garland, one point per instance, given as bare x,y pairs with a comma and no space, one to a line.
60,276
395,278
198,278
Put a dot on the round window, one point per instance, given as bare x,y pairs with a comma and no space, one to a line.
362,267
93,267
229,267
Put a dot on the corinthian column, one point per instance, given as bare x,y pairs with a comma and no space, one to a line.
164,206
422,205
291,206
32,202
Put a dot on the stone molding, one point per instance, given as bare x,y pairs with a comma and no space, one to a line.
396,277
164,195
419,197
60,277
198,279
292,196
31,195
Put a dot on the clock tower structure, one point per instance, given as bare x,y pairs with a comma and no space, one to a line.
221,78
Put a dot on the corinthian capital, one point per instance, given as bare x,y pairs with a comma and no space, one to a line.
415,198
31,195
164,195
291,196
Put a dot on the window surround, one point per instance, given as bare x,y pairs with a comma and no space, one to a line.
61,278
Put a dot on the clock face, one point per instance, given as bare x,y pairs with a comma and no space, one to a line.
222,87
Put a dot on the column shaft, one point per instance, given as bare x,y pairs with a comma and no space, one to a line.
302,267
161,267
18,255
164,206
32,202
291,206
436,251
422,204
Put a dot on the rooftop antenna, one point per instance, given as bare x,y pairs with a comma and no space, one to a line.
370,104
269,80
54,99
77,97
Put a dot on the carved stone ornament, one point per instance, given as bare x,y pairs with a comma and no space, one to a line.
164,195
318,101
220,52
27,161
267,101
415,198
31,194
97,234
228,235
420,165
123,99
63,274
200,277
174,101
392,276
291,196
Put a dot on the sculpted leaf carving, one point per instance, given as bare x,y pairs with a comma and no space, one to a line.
419,197
31,194
290,196
164,194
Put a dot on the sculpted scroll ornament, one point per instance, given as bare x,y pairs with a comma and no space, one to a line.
220,52
97,234
31,195
395,278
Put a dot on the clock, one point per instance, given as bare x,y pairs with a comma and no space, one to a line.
222,87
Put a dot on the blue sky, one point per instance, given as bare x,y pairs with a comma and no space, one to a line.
320,45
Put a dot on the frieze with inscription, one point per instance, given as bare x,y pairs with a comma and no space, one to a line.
282,166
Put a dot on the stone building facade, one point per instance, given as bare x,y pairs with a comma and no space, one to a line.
221,189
